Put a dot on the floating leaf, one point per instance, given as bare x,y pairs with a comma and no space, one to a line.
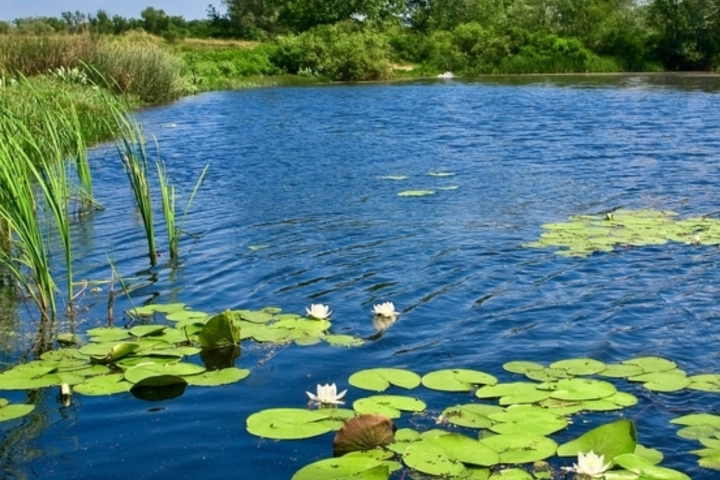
185,315
620,370
527,418
256,316
705,383
350,467
11,412
343,340
457,380
104,385
612,439
288,423
147,330
652,364
581,389
364,432
390,406
219,331
579,366
521,447
432,459
380,379
473,415
218,377
511,474
147,370
646,469
521,366
512,393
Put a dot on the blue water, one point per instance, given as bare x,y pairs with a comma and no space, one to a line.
297,171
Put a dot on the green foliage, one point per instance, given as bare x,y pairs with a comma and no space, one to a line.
338,52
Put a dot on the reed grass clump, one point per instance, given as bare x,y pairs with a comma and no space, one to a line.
140,69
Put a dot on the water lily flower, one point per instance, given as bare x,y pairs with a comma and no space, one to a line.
386,309
327,395
591,465
318,311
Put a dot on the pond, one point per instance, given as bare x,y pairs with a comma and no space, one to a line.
301,206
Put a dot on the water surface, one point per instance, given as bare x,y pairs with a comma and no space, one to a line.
297,171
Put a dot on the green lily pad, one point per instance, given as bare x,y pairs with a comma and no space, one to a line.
389,406
512,393
103,385
473,415
580,389
457,380
466,450
147,330
432,459
102,335
579,366
219,331
416,193
343,340
256,316
380,379
705,383
646,469
289,423
652,364
218,377
698,419
522,366
527,418
11,412
621,370
511,474
612,439
146,370
547,374
185,315
521,447
350,467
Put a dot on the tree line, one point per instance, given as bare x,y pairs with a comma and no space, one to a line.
677,34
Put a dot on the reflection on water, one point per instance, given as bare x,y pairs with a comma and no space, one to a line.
299,171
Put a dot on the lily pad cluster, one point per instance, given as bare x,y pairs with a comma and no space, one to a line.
151,360
705,428
583,235
512,422
269,325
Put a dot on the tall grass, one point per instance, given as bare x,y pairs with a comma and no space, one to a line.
168,201
135,159
37,186
141,69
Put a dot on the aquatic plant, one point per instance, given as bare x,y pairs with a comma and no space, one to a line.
327,395
135,160
587,234
167,192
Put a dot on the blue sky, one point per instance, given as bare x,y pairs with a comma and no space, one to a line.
190,9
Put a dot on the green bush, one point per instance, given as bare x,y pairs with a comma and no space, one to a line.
553,54
339,52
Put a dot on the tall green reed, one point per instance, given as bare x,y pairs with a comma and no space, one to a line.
134,156
167,192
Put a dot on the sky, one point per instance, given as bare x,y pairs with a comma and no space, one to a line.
190,9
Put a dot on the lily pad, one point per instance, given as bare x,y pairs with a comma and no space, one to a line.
364,432
457,380
580,389
104,385
219,331
147,330
652,364
646,469
522,366
343,340
512,474
350,467
146,370
472,415
527,418
11,412
218,377
390,406
579,366
521,447
512,393
289,423
612,439
380,379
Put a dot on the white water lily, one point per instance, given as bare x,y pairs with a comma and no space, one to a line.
327,395
318,311
591,465
386,310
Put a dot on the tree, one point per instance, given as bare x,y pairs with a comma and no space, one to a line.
101,23
76,22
